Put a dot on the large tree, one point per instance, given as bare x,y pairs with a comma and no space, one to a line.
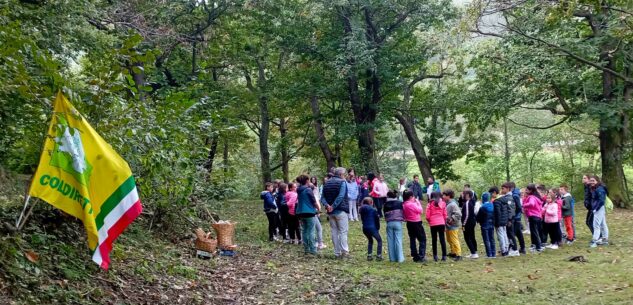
545,46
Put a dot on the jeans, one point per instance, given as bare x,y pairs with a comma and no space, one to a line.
319,230
511,239
519,234
416,235
600,224
394,241
353,210
488,235
469,237
503,239
339,224
452,236
535,231
438,231
273,219
309,240
371,235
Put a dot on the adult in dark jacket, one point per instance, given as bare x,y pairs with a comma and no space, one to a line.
500,218
416,188
334,200
306,208
469,221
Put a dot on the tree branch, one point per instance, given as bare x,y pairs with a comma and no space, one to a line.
540,127
572,55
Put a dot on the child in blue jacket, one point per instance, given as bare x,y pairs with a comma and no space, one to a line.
270,208
485,218
371,227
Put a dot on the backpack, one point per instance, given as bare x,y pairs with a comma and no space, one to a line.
608,204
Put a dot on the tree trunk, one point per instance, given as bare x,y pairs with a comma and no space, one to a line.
264,131
320,132
611,137
531,168
285,158
365,112
212,151
138,75
507,148
225,159
416,145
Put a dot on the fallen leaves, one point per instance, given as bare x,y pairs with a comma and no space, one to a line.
31,256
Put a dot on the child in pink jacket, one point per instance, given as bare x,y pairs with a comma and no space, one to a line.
532,207
436,216
292,219
551,220
412,211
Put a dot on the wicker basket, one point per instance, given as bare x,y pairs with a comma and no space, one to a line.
225,231
208,245
204,243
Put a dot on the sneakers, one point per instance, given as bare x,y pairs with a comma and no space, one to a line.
569,242
603,242
452,255
514,253
474,256
435,258
593,245
552,246
379,258
370,258
443,258
457,258
522,251
321,246
287,241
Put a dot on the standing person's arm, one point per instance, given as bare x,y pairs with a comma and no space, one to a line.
313,200
428,215
496,213
601,197
342,194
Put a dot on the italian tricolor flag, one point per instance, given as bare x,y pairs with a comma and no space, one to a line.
82,175
117,212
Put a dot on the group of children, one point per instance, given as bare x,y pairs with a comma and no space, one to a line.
280,205
499,213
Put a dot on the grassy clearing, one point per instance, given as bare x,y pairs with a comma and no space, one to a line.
149,268
542,278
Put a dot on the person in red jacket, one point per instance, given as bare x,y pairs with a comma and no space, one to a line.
436,216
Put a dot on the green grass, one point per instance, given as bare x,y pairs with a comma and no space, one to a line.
539,278
150,268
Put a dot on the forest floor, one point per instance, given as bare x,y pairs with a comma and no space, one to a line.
48,263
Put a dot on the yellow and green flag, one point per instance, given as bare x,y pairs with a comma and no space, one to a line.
80,174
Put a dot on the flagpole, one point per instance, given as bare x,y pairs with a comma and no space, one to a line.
26,203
